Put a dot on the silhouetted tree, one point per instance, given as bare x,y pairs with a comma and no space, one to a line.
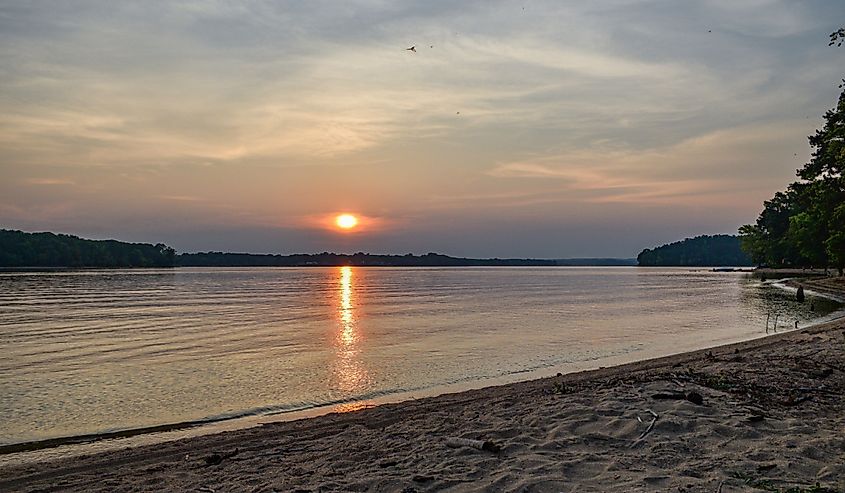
20,249
805,226
713,251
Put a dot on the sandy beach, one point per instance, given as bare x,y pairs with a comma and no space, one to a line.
767,414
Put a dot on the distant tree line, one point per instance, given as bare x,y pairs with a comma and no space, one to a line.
804,226
220,259
701,251
20,249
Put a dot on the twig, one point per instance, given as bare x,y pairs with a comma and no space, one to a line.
476,444
819,389
650,425
721,483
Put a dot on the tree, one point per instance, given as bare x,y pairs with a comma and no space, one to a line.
20,249
805,225
837,37
718,250
828,161
835,242
753,241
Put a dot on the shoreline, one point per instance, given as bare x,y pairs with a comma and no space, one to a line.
181,464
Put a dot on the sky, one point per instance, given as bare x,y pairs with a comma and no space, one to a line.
528,128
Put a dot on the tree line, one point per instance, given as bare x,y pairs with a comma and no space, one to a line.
220,259
701,251
804,226
21,249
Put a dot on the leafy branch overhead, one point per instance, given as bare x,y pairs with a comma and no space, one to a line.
837,37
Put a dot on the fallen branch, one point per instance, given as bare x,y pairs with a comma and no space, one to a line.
650,425
486,445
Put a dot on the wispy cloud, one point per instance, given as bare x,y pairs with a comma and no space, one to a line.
692,170
50,181
263,112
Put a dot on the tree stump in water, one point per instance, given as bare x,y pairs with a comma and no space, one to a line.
800,294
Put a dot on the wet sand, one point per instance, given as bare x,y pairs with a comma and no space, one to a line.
771,415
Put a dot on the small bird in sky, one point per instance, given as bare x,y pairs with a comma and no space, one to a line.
413,48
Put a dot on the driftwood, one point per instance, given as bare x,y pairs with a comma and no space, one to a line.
486,445
650,425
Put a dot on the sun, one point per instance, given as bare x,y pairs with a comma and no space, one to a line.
346,221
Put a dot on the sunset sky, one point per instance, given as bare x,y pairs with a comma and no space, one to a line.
517,128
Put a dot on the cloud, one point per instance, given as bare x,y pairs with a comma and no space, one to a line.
217,114
50,181
715,165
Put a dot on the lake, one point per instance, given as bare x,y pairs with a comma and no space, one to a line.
89,352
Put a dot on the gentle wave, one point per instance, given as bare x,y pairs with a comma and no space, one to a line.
101,352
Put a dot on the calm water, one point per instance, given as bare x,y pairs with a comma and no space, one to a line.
95,351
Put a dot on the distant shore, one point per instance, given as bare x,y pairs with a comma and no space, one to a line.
770,414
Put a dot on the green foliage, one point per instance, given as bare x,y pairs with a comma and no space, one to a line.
835,242
805,233
20,249
805,225
718,250
752,240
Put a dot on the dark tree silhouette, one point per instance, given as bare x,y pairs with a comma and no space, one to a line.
20,249
701,251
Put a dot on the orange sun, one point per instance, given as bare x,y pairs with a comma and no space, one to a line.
346,221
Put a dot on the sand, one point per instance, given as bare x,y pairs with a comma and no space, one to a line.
772,417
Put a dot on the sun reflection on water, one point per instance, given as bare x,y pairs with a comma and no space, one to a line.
350,375
347,316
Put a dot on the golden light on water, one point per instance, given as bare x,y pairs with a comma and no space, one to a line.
347,320
350,374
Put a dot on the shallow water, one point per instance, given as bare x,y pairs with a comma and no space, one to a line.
96,351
